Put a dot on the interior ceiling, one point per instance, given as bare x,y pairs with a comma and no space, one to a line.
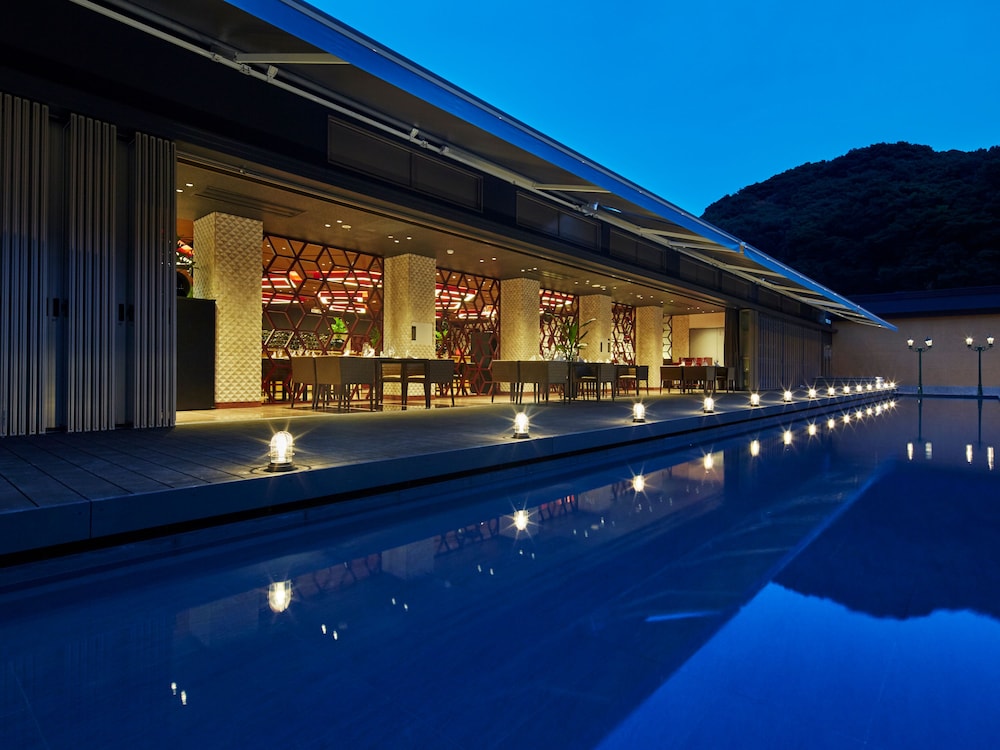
296,208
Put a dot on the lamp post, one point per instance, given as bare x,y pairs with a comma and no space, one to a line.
979,348
928,343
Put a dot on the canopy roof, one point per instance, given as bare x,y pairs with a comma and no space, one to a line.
293,45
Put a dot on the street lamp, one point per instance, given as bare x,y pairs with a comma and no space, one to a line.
979,348
928,343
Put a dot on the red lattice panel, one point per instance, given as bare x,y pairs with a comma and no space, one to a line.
554,308
467,309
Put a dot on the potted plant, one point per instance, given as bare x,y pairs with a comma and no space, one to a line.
338,337
571,336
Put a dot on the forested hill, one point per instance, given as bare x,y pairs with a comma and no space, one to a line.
886,218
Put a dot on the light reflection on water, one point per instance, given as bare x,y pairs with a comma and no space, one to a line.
541,616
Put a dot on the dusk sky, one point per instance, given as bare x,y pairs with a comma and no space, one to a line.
694,101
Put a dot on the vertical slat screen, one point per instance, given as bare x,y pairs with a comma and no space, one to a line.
24,170
787,355
155,350
91,163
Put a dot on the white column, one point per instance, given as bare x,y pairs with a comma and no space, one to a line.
649,341
228,256
596,307
519,318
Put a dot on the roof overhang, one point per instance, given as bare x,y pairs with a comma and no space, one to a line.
300,48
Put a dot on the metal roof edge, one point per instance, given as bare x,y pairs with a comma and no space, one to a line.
322,30
317,27
767,261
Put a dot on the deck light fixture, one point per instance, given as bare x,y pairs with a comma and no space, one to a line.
280,452
979,348
638,412
831,391
847,390
787,397
709,406
521,425
812,393
754,400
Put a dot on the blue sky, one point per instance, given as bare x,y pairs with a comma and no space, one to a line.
697,100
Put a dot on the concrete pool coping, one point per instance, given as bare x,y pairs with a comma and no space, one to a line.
65,492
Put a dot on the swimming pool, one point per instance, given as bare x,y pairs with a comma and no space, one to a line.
779,589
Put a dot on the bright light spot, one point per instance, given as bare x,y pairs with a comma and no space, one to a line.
521,520
989,457
968,454
521,425
831,391
787,396
909,451
281,451
709,462
754,448
831,423
754,399
787,437
638,413
279,595
184,697
638,483
847,390
847,419
928,451
811,429
812,393
709,404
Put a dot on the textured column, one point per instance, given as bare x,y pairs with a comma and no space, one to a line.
649,340
408,315
519,318
596,307
682,337
228,256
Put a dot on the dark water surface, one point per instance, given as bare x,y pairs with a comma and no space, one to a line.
840,590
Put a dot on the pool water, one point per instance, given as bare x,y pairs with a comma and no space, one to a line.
829,590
